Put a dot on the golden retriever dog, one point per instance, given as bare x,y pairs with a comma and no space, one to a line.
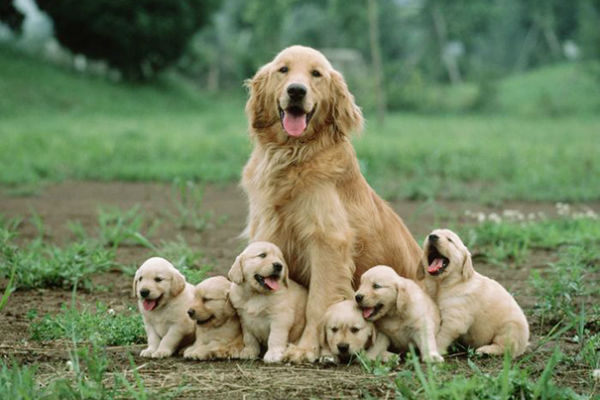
163,299
270,305
218,329
344,332
401,310
305,189
474,308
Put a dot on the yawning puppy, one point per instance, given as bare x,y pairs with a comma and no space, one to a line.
344,332
163,299
473,308
270,305
218,329
401,310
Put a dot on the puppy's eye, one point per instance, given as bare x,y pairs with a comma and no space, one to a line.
140,279
354,329
315,73
262,255
334,330
205,299
450,240
157,279
376,286
283,69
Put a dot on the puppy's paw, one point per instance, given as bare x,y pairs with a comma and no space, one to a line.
162,353
195,354
434,358
388,355
273,356
147,352
328,359
249,353
297,354
490,350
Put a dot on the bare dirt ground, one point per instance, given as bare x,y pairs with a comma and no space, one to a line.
219,243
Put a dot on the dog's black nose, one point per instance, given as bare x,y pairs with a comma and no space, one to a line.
296,91
144,293
433,237
343,347
359,298
191,312
277,267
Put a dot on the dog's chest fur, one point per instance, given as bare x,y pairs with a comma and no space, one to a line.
254,312
400,332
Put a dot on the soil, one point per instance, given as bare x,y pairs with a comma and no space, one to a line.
219,243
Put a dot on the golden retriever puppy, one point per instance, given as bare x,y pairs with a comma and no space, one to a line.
401,310
474,308
344,332
163,299
305,189
218,329
270,305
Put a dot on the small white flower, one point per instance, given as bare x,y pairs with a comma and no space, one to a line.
531,216
111,311
495,218
596,374
70,365
480,217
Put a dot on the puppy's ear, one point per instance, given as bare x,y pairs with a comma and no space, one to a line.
467,267
401,296
421,268
229,310
286,275
134,286
322,331
372,337
177,282
346,115
258,107
235,272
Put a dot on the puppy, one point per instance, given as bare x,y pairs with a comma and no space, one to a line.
473,308
401,310
163,299
218,329
270,305
344,332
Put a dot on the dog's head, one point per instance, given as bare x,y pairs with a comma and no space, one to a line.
381,291
260,267
445,256
155,282
344,331
299,95
211,306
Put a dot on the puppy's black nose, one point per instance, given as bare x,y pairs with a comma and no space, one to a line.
191,312
433,237
144,293
343,347
359,298
277,267
296,91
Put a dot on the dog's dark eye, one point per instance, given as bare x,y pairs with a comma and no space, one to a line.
157,279
376,286
334,330
205,299
283,69
354,329
450,240
262,255
315,73
140,279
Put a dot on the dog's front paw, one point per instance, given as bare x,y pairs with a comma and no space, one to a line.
328,359
147,352
434,358
161,353
194,354
273,356
297,354
249,353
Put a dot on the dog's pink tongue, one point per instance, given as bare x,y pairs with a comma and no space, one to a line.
294,125
367,312
149,304
273,284
435,265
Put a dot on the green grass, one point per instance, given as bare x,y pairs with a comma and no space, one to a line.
59,125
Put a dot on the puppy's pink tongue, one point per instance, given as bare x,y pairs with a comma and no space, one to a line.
273,284
367,312
149,305
435,265
294,125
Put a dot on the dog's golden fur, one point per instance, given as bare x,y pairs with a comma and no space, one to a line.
401,311
474,308
218,329
167,324
306,193
270,316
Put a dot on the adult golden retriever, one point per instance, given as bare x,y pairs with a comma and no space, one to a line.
305,189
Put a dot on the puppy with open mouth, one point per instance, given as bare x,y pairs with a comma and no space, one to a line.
163,299
218,329
270,305
401,311
474,308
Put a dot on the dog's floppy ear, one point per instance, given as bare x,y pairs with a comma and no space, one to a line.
177,282
286,275
322,331
134,286
467,267
421,267
229,310
258,107
346,115
372,337
401,296
235,272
